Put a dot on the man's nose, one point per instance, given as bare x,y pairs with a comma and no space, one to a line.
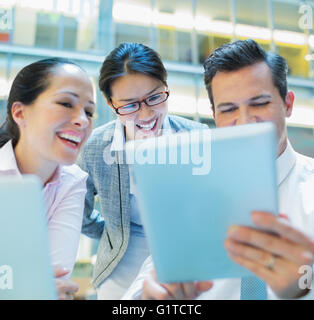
245,116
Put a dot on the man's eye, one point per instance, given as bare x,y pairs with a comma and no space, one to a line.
228,109
260,104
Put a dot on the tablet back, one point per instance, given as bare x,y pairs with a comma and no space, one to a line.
211,179
25,267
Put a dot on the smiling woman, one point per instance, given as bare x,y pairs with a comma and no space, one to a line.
47,124
133,80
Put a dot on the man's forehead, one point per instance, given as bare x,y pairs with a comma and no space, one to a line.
245,83
259,69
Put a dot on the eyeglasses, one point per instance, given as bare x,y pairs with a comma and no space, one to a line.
150,101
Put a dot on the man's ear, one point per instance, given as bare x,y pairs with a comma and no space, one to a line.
289,103
213,111
18,113
212,107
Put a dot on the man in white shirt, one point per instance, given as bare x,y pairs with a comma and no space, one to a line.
247,85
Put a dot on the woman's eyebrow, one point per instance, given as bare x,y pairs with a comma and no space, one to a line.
150,92
74,95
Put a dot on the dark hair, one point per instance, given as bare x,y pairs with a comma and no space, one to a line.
242,53
130,58
29,83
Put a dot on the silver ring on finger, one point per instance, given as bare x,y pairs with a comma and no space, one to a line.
271,263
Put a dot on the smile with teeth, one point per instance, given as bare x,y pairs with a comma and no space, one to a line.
70,138
147,127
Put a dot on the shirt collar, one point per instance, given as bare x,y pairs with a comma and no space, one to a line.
55,179
118,141
285,163
166,128
8,161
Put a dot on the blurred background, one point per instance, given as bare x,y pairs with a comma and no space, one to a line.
184,32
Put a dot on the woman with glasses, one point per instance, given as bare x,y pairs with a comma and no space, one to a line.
133,80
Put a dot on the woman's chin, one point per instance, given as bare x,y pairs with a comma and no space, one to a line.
145,135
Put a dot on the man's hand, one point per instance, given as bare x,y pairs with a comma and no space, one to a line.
274,255
65,288
153,290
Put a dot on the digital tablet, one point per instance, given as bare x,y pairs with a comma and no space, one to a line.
25,267
192,186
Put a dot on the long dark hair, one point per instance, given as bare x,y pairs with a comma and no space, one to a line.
130,58
29,83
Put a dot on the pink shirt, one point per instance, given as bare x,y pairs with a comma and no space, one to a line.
64,197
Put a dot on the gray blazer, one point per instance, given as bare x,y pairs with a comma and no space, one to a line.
111,183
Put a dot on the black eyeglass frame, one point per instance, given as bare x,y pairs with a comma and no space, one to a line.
140,103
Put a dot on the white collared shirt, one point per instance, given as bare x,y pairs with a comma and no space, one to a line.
64,198
295,178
